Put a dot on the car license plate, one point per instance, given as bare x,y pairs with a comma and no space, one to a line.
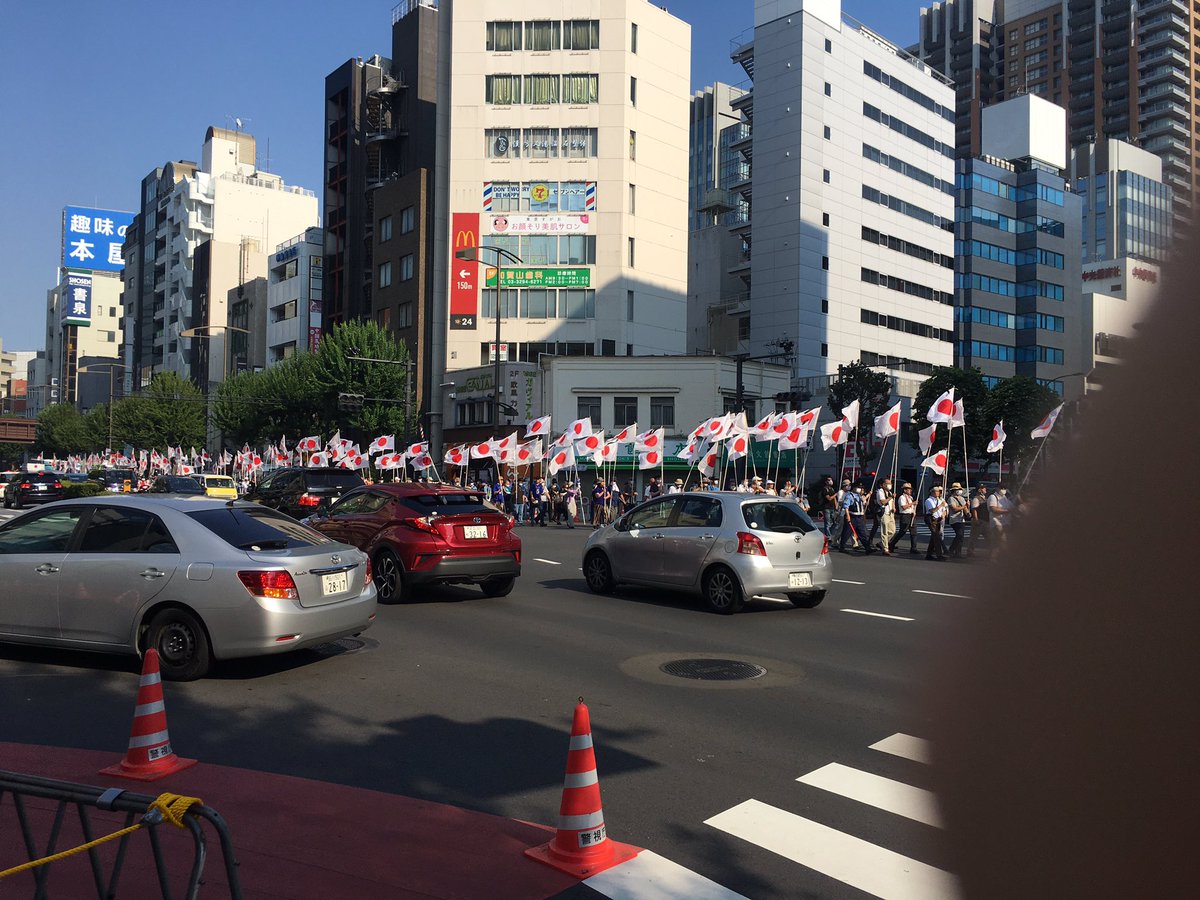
337,583
799,579
475,532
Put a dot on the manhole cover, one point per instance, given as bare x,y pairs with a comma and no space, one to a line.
713,669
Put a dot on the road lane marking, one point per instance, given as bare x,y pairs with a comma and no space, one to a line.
842,581
650,875
875,790
940,594
905,745
863,612
856,862
548,562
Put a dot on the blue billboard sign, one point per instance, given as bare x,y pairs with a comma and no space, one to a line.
77,299
92,238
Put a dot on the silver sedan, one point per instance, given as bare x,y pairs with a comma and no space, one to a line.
724,546
195,578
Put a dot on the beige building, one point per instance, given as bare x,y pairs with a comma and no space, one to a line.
1117,298
567,135
95,345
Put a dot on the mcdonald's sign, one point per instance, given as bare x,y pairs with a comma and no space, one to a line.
464,276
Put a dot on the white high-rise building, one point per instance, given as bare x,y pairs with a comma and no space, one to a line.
852,190
566,124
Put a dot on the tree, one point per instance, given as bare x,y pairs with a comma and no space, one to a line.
12,454
969,387
383,385
61,430
873,391
169,413
1021,403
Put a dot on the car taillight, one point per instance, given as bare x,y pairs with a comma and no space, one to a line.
825,548
368,576
750,544
25,485
424,523
58,484
274,584
308,500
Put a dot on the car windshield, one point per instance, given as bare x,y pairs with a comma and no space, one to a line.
218,481
257,528
779,516
343,480
180,485
449,504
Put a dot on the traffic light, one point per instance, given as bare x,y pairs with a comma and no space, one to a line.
350,402
793,398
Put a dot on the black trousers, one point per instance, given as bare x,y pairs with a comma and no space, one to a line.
904,525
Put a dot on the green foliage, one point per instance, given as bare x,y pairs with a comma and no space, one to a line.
969,387
872,389
1021,403
169,413
61,430
74,490
12,454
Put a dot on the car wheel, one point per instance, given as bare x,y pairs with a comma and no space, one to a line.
807,600
597,571
498,587
182,644
722,591
389,577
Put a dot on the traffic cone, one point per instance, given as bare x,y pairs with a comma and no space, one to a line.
149,756
581,845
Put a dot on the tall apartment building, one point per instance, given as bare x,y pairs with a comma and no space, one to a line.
1017,254
718,318
852,142
566,145
294,296
1123,69
232,210
380,141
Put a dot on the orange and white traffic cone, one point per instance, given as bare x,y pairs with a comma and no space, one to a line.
581,845
149,756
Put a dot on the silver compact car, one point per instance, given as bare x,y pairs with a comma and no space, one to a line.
724,546
195,578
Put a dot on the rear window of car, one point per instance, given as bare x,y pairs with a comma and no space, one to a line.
780,516
343,480
449,504
218,481
42,478
257,528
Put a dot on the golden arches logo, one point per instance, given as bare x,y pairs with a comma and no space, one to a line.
464,238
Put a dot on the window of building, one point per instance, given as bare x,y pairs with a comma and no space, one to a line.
629,306
385,274
540,143
828,45
502,143
502,90
408,218
577,304
541,90
1035,27
589,408
633,37
577,143
406,267
633,199
1013,35
625,410
828,132
824,349
503,37
580,88
543,35
828,89
825,175
825,219
631,253
577,249
608,347
633,145
1039,41
744,328
537,303
632,91
581,34
404,316
825,306
662,412
385,229
284,311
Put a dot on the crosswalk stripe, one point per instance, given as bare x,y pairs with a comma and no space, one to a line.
856,862
905,745
875,790
649,876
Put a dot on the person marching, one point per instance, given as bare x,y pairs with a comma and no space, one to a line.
599,502
853,507
979,517
935,517
956,518
884,514
906,516
828,498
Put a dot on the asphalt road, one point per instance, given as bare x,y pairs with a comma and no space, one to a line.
768,786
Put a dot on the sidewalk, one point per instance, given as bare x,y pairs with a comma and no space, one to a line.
295,839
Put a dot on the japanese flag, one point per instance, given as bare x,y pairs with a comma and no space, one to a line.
959,417
649,440
386,461
417,449
797,438
651,459
485,450
626,434
717,428
998,436
591,443
336,441
833,434
937,462
319,459
580,428
562,440
925,437
762,430
538,427
562,458
605,453
889,423
530,452
943,408
690,450
707,464
1047,423
738,424
508,443
422,462
850,413
382,443
808,419
737,446
456,456
785,423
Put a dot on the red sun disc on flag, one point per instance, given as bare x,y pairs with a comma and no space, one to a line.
484,448
806,418
579,428
781,427
652,458
591,443
837,433
560,458
714,426
522,453
941,459
946,407
535,427
794,436
739,445
894,420
652,440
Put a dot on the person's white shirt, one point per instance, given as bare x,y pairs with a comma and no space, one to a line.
904,503
934,506
674,489
743,488
881,497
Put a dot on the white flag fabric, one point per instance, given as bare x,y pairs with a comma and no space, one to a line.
959,418
508,443
421,462
580,428
943,408
651,459
797,438
1047,423
738,424
833,434
389,461
320,459
383,443
605,453
998,437
691,450
562,440
538,427
353,460
762,430
626,434
850,413
487,449
530,452
937,462
417,449
717,428
457,456
562,458
809,418
590,444
707,464
309,444
926,437
889,423
650,440
737,446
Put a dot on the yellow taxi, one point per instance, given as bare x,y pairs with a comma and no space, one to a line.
220,486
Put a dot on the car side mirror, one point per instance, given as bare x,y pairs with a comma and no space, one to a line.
619,523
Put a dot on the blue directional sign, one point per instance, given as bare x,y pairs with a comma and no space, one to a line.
92,238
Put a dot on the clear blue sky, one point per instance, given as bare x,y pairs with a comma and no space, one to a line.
95,95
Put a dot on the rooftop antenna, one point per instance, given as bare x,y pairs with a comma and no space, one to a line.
238,122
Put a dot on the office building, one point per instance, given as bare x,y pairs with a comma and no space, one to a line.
1126,204
852,195
1118,297
1017,251
294,295
84,322
233,210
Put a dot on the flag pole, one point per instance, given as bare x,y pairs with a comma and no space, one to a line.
949,439
1032,463
966,467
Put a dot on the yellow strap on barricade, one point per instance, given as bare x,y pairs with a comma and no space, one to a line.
172,807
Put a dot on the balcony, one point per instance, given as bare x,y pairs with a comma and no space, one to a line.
1162,146
1116,92
1161,74
199,222
1165,108
1150,8
1118,25
1164,92
1155,39
386,134
1165,55
741,51
389,87
1082,67
1161,125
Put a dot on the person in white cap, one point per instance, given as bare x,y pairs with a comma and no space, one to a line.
677,487
770,489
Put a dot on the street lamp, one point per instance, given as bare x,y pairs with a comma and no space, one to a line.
471,254
110,367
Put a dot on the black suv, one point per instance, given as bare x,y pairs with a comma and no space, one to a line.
41,487
300,492
176,484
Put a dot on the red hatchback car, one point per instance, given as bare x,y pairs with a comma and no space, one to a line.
421,534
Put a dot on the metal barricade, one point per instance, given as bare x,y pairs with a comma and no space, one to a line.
85,799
